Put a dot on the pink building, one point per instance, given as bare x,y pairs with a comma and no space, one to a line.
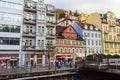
68,43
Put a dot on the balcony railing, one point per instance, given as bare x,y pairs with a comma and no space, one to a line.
51,36
30,6
106,31
29,21
112,40
40,48
51,12
28,47
112,25
29,34
51,23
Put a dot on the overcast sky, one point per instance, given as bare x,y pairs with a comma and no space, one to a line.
88,6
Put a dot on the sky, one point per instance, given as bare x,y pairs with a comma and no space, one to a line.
88,6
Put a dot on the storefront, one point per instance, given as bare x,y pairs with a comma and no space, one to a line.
13,62
64,56
3,63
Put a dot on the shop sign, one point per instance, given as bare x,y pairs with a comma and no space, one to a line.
13,57
2,58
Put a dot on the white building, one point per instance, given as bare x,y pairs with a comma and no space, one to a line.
92,36
11,19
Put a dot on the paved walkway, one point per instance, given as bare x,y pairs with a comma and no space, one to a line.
22,70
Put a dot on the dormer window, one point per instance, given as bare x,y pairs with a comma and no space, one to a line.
96,28
91,27
86,27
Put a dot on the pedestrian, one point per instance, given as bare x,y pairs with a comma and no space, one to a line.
76,64
67,64
70,64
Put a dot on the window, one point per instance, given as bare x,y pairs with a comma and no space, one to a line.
29,29
92,35
10,5
30,42
10,17
88,35
92,42
43,16
51,31
88,42
39,16
61,50
10,41
43,29
65,50
38,42
99,42
96,35
76,50
73,51
96,43
64,41
99,36
69,50
9,28
42,42
39,29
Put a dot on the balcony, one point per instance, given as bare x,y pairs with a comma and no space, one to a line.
118,34
29,21
112,40
112,25
29,47
40,48
51,23
30,6
30,9
28,34
51,36
106,31
51,12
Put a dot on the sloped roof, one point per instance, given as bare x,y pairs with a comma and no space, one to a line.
59,31
78,29
89,25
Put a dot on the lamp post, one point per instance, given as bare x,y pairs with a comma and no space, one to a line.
55,60
48,46
85,46
25,53
50,49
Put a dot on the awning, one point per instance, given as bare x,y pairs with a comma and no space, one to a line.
2,59
77,55
64,54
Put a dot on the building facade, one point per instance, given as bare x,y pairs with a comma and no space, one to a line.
92,37
38,31
68,43
110,27
11,18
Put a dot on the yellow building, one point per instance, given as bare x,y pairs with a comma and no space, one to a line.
110,27
82,17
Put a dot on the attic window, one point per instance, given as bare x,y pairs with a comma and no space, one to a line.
91,27
86,27
96,28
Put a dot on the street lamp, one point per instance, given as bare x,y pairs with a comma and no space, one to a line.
25,63
55,59
85,45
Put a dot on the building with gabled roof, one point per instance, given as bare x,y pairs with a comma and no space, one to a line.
68,43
